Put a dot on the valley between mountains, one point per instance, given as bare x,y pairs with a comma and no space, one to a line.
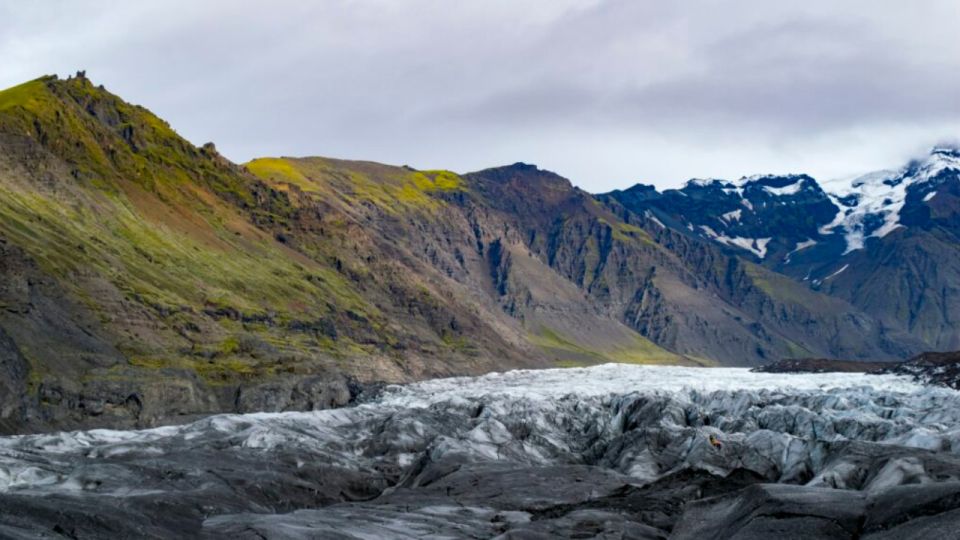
144,280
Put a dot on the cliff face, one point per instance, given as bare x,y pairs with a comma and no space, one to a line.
144,279
681,292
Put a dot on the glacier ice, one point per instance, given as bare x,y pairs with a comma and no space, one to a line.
522,439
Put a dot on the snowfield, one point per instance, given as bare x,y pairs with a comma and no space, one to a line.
437,455
884,194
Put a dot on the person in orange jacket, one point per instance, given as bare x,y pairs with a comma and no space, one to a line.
715,442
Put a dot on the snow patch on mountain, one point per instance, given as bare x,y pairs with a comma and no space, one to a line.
744,180
800,246
870,205
757,246
748,212
838,272
709,231
804,245
731,216
941,159
791,189
707,182
875,194
649,215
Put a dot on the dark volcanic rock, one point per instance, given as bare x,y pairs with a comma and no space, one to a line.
931,368
795,512
13,375
936,368
817,365
769,511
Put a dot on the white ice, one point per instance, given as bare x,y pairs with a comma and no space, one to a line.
773,413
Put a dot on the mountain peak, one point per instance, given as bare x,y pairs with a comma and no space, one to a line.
942,158
521,166
525,172
44,92
771,181
518,167
704,182
98,133
951,150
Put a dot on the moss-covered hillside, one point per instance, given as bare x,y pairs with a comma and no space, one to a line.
183,267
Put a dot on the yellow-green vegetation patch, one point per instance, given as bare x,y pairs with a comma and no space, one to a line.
32,105
457,343
797,351
625,232
230,345
30,95
134,215
411,191
107,141
280,170
167,267
442,180
548,339
701,361
640,351
394,190
643,351
780,287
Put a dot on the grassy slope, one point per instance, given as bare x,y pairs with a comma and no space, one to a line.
568,352
158,219
194,265
393,190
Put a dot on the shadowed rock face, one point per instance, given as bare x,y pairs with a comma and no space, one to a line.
942,369
611,451
818,365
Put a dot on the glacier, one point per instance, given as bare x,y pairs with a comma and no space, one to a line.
625,451
884,194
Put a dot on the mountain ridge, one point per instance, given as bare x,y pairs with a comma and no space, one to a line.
850,242
147,280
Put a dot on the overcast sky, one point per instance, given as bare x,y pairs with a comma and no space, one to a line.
607,93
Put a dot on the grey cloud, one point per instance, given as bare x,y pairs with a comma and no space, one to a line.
607,92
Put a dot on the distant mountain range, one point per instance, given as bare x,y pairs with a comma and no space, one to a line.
143,279
886,242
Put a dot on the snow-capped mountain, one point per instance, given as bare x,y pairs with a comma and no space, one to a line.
887,241
794,212
762,215
871,205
